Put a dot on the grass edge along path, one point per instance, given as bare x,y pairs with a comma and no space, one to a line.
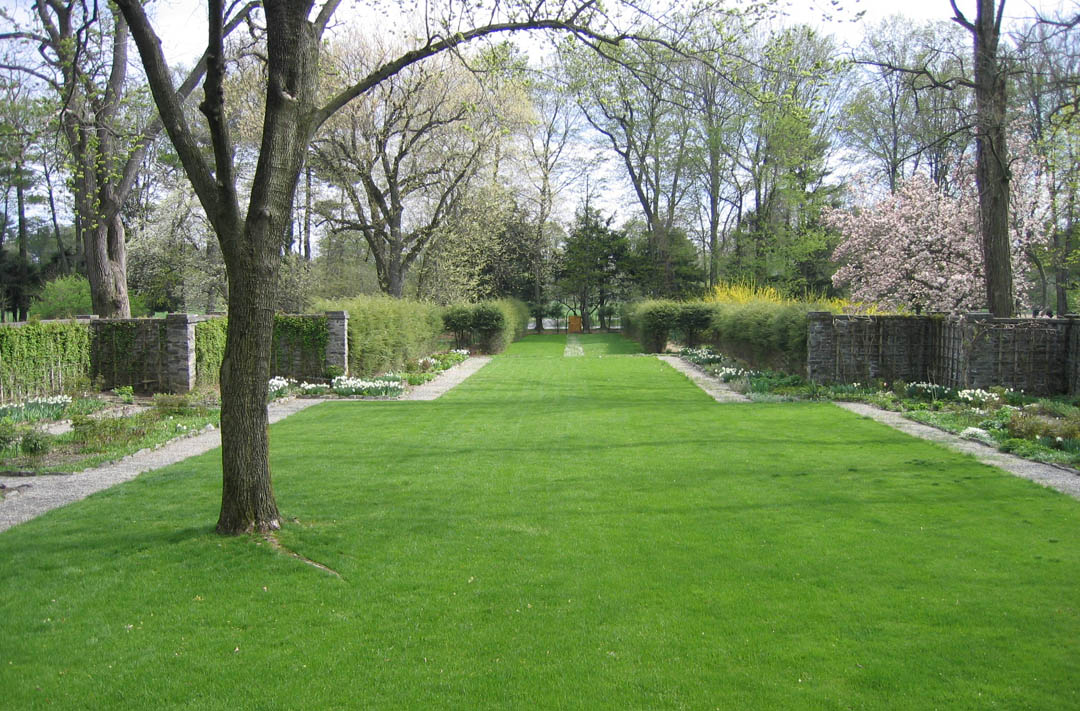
589,532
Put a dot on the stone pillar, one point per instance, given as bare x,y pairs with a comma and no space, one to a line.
820,347
180,352
337,344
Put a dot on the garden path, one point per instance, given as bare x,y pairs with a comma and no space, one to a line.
29,497
446,379
1065,480
719,391
574,348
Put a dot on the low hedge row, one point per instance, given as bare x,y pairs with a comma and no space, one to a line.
763,333
490,326
385,333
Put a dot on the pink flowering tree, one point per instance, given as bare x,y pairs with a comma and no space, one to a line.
919,248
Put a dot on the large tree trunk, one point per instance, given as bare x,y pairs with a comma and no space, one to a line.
992,162
247,496
106,268
252,261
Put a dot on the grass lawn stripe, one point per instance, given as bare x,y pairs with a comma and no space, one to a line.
559,533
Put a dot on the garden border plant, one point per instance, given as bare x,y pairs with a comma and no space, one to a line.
1044,429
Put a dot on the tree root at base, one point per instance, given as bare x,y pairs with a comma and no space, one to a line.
276,545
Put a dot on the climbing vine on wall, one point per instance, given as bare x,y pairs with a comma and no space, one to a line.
128,352
209,350
43,358
299,346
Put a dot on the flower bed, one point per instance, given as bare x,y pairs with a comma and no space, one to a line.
1044,429
388,385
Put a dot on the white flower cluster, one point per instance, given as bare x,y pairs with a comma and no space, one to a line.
977,434
312,388
279,386
976,396
461,352
427,363
36,407
344,385
726,375
701,356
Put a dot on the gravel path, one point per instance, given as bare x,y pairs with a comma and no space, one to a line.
1065,480
28,497
721,392
446,379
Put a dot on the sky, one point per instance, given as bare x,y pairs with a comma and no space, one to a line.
182,23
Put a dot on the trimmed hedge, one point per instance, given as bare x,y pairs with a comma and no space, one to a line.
489,325
650,322
43,358
762,333
385,332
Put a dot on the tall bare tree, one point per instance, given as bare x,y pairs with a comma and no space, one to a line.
404,152
83,58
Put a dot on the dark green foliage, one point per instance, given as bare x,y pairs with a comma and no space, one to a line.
209,350
650,322
490,325
43,358
9,435
35,443
384,333
692,320
593,267
458,320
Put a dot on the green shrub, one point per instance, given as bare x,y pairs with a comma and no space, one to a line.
166,404
691,320
69,296
63,297
650,322
763,333
385,332
458,320
490,325
35,443
9,435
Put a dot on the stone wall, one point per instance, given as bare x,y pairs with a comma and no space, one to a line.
131,352
158,355
1038,356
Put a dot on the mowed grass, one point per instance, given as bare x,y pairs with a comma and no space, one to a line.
575,533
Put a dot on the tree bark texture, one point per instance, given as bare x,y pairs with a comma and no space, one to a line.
252,263
992,160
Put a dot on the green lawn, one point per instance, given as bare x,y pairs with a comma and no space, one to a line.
559,533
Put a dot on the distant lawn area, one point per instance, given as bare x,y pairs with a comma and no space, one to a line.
559,533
